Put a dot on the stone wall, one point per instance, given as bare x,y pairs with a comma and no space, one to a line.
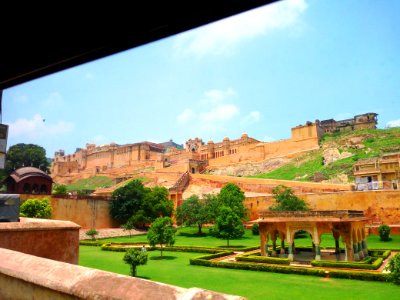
381,207
57,240
257,185
25,276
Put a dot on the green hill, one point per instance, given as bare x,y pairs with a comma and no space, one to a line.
352,145
91,183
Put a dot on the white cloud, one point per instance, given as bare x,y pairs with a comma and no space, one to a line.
220,37
31,129
54,100
251,118
394,123
221,112
211,113
185,116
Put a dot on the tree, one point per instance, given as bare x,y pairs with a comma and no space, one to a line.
59,189
394,268
228,225
161,232
127,200
92,233
384,232
192,211
232,196
212,205
286,200
36,208
134,258
156,203
128,226
26,155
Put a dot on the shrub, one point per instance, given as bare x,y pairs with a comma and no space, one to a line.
92,233
59,189
394,268
135,257
255,229
384,232
36,208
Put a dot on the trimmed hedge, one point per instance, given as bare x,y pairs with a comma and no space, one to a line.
380,253
121,247
370,264
257,267
263,259
91,243
201,261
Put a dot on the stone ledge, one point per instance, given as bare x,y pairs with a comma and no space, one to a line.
32,224
87,283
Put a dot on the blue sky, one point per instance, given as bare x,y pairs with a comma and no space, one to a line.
260,72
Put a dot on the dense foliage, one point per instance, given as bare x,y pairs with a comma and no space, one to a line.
193,211
286,200
134,258
26,155
59,189
161,232
228,225
137,204
233,197
384,232
36,208
92,233
394,268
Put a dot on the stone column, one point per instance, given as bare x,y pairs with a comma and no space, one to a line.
282,245
262,238
337,249
360,251
274,247
317,252
364,247
355,251
290,256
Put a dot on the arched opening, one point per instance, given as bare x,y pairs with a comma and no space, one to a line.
35,189
27,188
43,189
193,170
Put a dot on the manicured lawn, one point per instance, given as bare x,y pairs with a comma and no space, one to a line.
175,269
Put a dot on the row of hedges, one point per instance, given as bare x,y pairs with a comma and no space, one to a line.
202,261
255,257
380,253
372,264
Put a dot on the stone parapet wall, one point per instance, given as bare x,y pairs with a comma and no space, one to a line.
25,276
58,240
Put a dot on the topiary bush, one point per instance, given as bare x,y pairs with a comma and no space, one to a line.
394,268
255,229
92,233
384,232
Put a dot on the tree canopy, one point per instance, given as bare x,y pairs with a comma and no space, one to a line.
126,200
233,197
137,204
193,211
134,258
286,200
228,225
161,232
26,155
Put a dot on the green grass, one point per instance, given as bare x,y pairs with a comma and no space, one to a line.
175,269
376,142
91,183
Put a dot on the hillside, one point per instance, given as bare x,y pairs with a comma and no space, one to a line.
339,151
